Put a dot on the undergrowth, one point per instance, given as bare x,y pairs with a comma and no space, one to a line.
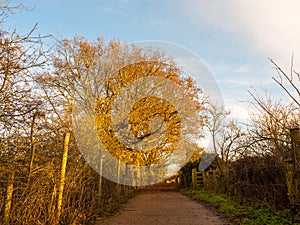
241,212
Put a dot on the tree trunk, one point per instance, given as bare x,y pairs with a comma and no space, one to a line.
33,148
62,176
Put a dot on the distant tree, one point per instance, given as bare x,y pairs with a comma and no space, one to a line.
227,135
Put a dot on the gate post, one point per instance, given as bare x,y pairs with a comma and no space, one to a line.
293,170
194,178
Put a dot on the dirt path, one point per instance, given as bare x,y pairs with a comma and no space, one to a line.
162,205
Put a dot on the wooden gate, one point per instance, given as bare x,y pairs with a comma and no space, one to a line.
199,178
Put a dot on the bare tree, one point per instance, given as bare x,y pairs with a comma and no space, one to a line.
273,119
227,135
288,82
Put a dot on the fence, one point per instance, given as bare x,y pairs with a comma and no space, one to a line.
200,178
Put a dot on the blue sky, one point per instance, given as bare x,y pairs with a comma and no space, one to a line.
233,37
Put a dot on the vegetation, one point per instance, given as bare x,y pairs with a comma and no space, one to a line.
245,212
44,178
250,180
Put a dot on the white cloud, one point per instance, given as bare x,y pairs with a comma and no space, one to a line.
237,82
231,69
238,110
271,27
246,82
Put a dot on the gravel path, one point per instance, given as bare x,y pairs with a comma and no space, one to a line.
162,205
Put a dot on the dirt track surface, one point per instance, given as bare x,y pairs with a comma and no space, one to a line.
162,205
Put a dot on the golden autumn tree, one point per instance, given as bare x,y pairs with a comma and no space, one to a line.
140,150
134,96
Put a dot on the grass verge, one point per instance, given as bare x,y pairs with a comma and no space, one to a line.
245,212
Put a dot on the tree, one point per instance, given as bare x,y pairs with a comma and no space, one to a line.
288,82
270,127
20,57
227,136
33,142
100,73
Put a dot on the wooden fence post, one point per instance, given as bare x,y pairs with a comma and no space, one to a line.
118,185
100,182
194,178
62,177
293,170
8,200
289,175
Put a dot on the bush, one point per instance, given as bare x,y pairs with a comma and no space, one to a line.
261,179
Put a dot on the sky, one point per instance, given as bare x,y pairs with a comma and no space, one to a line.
234,38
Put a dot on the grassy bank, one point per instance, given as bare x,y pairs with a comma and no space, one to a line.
244,212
